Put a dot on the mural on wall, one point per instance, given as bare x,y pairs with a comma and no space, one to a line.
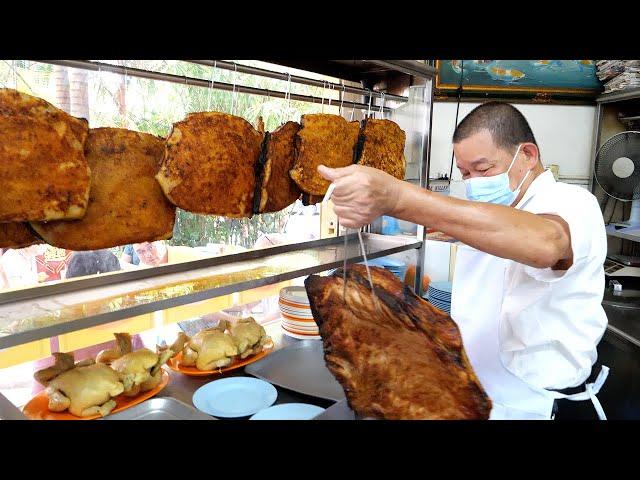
528,78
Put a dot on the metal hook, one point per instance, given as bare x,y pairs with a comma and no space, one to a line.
288,94
344,91
126,72
381,105
324,83
369,106
213,72
330,88
234,101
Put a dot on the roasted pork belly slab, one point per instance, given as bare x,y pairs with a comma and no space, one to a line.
397,357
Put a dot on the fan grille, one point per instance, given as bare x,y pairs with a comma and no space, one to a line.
627,145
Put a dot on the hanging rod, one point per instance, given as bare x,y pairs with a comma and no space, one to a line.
198,82
295,79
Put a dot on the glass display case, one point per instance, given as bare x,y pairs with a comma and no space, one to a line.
212,264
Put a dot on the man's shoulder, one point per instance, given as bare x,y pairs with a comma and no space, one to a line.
567,196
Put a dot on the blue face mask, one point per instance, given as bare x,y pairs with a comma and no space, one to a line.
495,189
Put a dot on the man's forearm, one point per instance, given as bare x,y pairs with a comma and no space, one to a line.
502,231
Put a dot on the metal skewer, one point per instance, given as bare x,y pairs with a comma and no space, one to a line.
344,267
366,265
362,249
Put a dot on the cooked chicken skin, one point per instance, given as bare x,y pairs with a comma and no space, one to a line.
208,349
139,370
85,391
214,349
134,369
249,336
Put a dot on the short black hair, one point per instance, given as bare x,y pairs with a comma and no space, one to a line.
507,125
92,262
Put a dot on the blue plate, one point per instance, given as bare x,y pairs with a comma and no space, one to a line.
439,295
234,397
289,411
441,286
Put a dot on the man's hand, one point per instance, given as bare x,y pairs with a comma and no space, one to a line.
361,194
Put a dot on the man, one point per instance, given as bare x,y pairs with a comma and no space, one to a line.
52,262
91,263
148,254
529,279
129,256
18,267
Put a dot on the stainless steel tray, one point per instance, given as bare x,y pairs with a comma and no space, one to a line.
163,408
338,411
299,367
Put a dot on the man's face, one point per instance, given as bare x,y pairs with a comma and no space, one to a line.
478,156
148,253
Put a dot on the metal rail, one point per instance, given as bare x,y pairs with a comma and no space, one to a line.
324,254
199,82
115,278
627,94
410,67
296,79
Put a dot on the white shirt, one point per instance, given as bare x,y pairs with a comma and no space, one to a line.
551,321
19,267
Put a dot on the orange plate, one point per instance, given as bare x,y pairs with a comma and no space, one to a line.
37,408
174,364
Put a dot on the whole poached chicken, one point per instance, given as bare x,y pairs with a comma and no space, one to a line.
85,388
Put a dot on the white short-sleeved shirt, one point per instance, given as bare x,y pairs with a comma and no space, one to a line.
551,321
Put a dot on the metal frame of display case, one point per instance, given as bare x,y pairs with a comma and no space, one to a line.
69,306
330,252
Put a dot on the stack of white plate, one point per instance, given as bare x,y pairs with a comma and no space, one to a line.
297,320
439,295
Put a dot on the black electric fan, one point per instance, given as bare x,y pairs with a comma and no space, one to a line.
617,171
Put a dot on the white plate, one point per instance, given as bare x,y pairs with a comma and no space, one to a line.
311,333
301,337
289,411
295,294
291,304
302,317
306,330
297,313
302,325
294,307
234,397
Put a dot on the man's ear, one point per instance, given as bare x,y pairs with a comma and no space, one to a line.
532,153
